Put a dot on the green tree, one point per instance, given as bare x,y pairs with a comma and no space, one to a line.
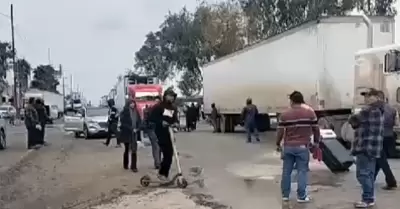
222,27
5,58
24,70
45,77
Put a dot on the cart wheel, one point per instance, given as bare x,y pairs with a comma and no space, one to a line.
181,182
145,181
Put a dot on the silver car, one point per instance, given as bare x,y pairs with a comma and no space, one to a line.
90,122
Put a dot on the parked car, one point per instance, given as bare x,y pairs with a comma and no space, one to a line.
3,135
7,111
90,121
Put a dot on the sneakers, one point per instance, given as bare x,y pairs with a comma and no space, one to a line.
304,200
363,204
299,200
162,179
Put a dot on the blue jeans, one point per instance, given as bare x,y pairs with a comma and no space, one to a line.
155,149
251,127
365,172
301,157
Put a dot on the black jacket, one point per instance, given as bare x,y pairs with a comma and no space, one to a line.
163,112
127,126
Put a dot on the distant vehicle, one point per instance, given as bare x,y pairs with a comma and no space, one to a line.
7,111
54,101
90,121
3,135
312,58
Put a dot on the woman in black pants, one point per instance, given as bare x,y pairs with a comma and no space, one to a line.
164,115
129,129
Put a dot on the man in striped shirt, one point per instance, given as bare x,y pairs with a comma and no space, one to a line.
296,125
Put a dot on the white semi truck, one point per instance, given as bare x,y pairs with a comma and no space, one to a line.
316,58
53,101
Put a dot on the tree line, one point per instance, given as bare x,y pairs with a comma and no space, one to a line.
187,40
45,77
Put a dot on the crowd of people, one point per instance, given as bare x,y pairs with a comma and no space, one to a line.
127,125
374,139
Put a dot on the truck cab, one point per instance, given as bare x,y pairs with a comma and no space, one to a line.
378,68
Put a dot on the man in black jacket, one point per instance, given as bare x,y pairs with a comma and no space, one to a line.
43,118
112,122
31,120
163,115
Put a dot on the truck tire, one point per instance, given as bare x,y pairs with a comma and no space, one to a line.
263,123
228,124
3,142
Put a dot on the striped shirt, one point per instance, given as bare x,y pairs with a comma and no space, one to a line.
298,124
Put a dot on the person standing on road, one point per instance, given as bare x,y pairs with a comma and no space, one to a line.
215,119
367,145
112,122
129,130
194,116
32,124
43,118
249,115
389,144
149,130
296,125
164,115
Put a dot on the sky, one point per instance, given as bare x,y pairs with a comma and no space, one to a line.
94,40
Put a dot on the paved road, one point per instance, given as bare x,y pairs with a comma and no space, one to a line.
76,173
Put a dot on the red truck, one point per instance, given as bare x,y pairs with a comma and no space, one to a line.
144,94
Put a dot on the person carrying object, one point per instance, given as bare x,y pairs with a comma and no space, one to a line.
295,128
129,129
249,115
164,115
368,144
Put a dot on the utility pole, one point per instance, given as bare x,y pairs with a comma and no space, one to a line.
70,84
63,86
15,68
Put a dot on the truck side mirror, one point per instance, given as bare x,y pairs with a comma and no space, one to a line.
392,62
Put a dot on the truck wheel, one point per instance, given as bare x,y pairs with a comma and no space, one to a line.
263,123
86,133
228,124
3,142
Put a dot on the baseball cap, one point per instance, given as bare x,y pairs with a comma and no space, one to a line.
371,92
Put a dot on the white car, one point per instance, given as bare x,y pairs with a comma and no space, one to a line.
7,111
87,121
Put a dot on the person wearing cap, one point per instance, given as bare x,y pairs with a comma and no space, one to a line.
296,125
163,115
249,115
367,144
112,122
389,144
